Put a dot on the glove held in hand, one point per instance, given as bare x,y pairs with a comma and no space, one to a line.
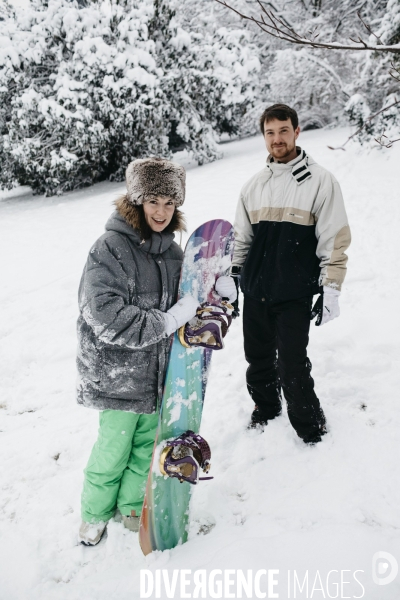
226,288
326,308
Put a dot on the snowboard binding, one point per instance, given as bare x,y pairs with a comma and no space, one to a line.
184,456
209,327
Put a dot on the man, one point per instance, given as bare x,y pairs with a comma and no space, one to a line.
291,235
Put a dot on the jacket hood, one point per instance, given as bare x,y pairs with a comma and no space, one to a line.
156,244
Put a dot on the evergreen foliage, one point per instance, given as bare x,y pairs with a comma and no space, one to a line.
209,70
85,88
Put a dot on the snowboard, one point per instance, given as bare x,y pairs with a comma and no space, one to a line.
165,513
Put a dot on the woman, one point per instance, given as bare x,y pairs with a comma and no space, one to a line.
127,312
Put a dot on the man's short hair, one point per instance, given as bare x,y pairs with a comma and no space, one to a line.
282,112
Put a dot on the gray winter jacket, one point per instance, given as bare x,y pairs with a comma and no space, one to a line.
123,347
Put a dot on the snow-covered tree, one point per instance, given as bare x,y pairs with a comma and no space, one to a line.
382,89
85,88
5,9
209,77
85,97
311,84
330,59
239,55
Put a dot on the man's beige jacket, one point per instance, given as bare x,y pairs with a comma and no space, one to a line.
291,231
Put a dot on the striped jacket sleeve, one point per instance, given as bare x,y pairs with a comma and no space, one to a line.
333,234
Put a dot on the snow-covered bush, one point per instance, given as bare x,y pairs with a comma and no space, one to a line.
358,113
85,95
5,10
85,89
208,80
388,122
384,90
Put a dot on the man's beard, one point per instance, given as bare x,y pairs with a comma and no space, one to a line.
282,151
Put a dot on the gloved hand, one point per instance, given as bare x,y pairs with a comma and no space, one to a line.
235,275
180,313
226,288
326,307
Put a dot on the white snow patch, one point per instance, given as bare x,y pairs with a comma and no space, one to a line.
178,401
275,503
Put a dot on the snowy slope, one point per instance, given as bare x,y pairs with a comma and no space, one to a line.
275,503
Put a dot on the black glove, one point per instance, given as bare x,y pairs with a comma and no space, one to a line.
235,274
318,308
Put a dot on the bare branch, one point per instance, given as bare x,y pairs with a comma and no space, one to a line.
367,121
368,27
271,24
385,144
360,41
395,72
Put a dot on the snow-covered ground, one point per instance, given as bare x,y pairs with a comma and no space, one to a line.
275,503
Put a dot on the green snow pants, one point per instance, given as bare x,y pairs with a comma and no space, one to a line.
116,474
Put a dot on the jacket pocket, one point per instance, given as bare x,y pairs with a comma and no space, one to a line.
305,259
124,373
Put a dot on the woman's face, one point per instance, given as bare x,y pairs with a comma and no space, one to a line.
158,212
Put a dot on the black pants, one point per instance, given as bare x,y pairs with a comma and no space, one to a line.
275,345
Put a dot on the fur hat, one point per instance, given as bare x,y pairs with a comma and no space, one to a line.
146,177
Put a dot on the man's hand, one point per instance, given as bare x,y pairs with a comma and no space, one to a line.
326,307
235,275
226,288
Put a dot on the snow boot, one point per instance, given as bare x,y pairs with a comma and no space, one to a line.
259,420
90,534
131,522
314,438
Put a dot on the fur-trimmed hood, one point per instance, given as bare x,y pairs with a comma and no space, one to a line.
149,177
